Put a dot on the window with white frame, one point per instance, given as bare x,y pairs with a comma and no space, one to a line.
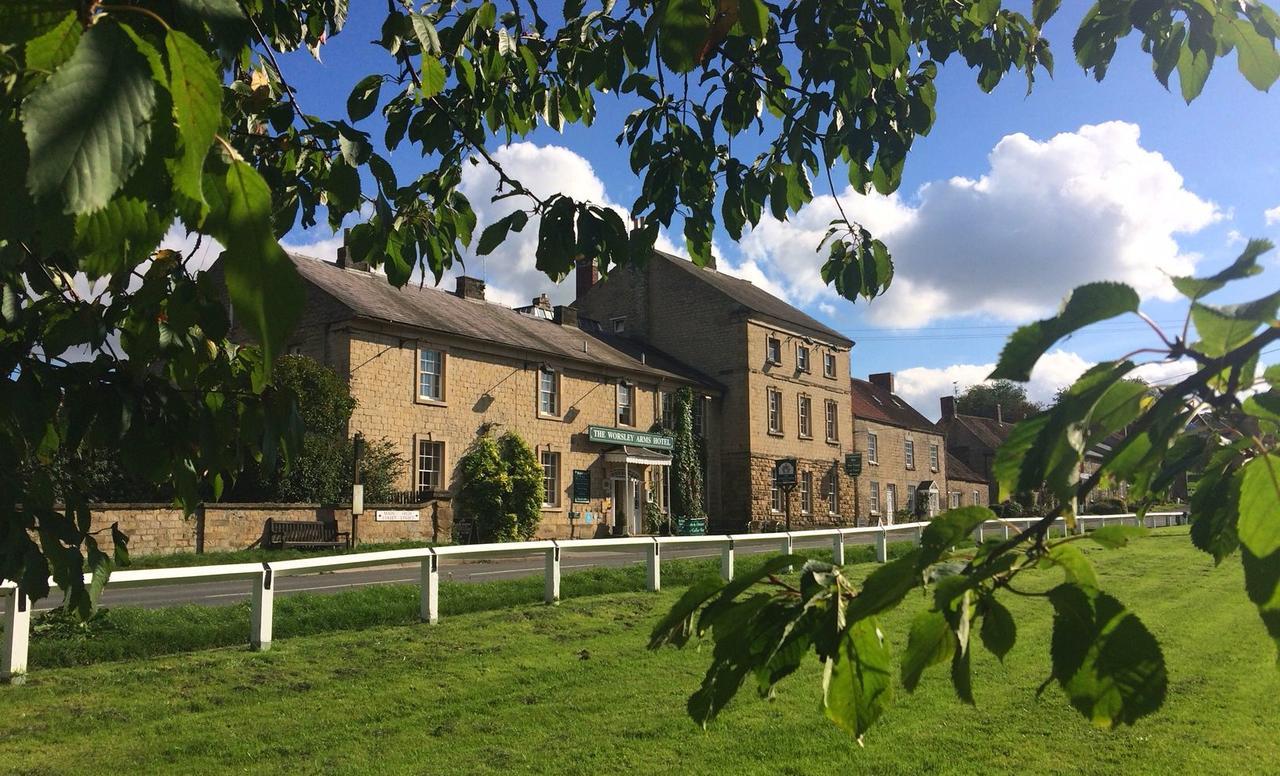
912,504
430,465
430,374
956,496
833,421
626,415
802,358
874,501
828,364
550,479
548,392
977,499
831,492
806,417
773,350
909,453
933,456
873,447
775,493
806,493
775,410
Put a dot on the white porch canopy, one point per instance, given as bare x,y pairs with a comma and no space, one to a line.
638,455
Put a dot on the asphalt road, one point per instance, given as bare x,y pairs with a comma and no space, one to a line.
230,592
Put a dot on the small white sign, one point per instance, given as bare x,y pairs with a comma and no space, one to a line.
396,515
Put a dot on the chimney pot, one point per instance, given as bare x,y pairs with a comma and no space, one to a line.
469,288
882,380
565,315
586,276
542,302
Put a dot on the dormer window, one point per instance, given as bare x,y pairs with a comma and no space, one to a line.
619,325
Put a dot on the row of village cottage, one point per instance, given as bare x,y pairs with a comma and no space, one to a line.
587,384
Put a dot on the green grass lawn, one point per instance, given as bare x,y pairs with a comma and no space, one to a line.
571,689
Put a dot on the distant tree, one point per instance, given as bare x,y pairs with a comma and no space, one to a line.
321,470
982,399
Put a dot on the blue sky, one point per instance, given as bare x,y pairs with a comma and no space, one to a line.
1158,183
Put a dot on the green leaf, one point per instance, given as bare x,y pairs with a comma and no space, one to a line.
1225,328
1115,536
929,643
1262,584
261,279
1077,568
433,77
1088,304
88,125
857,685
1256,56
364,97
1043,10
754,17
676,626
1194,65
55,46
1105,659
683,28
1214,511
495,233
22,20
1259,524
1246,265
950,528
740,583
197,110
998,632
886,587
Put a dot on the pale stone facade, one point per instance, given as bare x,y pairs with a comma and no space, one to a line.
903,456
724,326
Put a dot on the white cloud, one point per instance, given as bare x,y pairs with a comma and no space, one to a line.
921,387
1272,215
1047,216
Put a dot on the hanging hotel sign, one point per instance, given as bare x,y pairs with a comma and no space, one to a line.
624,436
853,464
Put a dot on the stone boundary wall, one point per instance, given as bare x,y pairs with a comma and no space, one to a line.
162,529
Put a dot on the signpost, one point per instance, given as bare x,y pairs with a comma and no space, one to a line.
581,486
627,436
853,464
784,474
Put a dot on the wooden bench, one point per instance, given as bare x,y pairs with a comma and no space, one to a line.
305,534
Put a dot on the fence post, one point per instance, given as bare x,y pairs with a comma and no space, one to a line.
17,631
787,548
263,606
1006,531
919,534
882,545
654,567
837,549
978,535
726,561
429,605
551,593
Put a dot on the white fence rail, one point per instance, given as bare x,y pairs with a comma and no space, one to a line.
262,576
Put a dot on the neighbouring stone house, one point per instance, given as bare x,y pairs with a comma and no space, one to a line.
904,468
973,441
784,377
432,370
965,487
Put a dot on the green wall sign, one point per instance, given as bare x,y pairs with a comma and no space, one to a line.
625,436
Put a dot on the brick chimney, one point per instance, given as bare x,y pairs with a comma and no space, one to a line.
542,302
344,255
948,407
586,275
565,315
469,288
882,380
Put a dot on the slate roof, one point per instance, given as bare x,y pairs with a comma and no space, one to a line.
757,300
958,470
871,402
988,432
369,295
